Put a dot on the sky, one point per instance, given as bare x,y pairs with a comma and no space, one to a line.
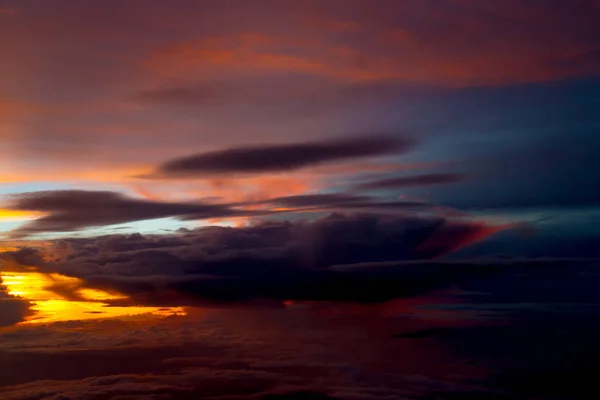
298,199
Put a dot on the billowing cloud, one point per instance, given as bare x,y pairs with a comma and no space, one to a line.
281,157
274,261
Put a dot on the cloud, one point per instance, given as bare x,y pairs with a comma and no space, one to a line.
204,383
338,202
12,309
445,46
221,354
411,181
69,210
457,44
218,354
281,157
304,200
72,210
272,261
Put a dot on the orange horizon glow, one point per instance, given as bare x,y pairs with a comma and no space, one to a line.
11,215
49,307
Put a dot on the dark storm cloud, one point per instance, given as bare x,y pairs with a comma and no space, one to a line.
273,261
412,181
69,210
282,157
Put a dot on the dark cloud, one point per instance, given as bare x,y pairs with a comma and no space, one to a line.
12,309
281,157
273,261
69,210
339,201
329,199
411,181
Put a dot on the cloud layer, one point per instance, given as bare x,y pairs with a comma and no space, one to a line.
70,210
272,261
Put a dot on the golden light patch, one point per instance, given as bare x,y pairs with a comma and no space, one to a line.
10,215
50,306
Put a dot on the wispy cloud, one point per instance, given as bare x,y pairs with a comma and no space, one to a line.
282,157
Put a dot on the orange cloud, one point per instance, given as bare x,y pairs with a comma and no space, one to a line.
257,188
460,51
94,173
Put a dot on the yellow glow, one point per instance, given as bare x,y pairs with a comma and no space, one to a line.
9,215
52,307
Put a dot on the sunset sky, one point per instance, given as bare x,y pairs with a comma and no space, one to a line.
225,198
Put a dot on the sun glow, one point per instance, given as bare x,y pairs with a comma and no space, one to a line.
50,304
10,215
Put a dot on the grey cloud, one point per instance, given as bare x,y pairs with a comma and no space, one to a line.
281,157
69,210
